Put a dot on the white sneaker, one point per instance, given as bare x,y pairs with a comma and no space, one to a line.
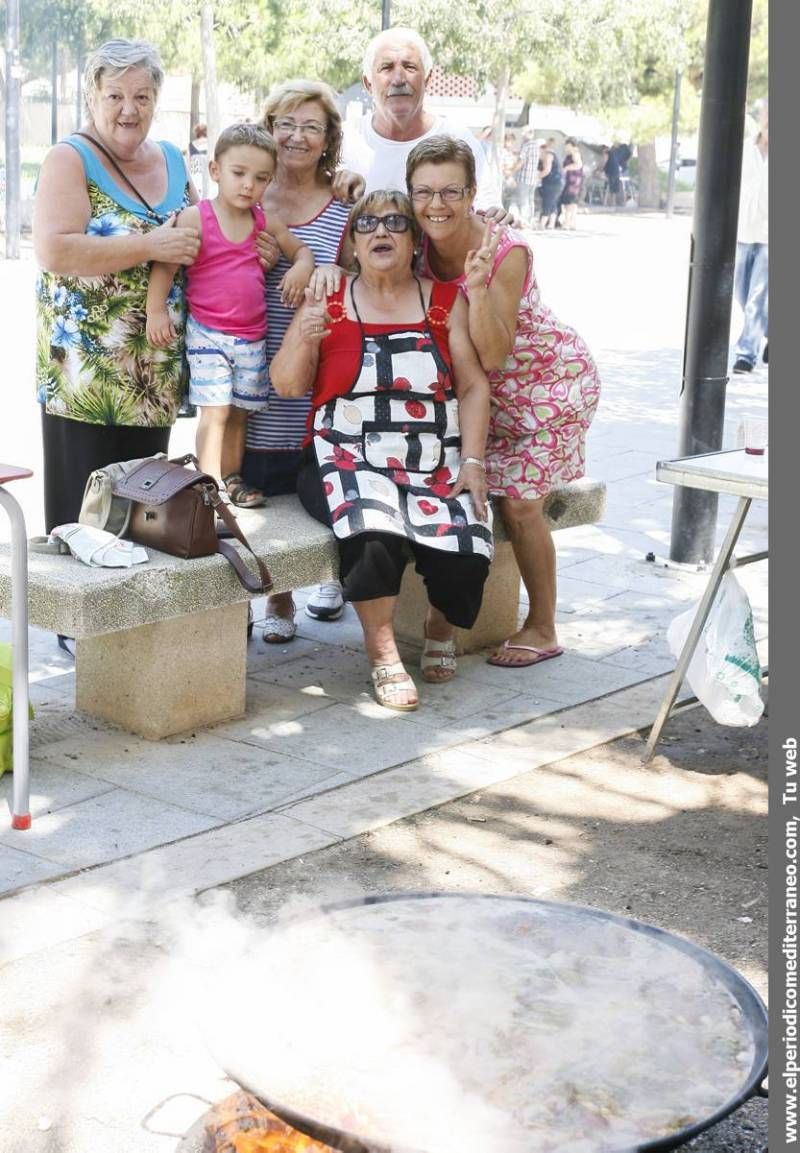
326,603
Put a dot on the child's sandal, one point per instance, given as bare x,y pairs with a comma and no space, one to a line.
389,682
243,495
438,661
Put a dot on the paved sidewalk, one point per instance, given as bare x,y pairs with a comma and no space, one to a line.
315,760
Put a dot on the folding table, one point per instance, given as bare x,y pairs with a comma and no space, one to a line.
732,471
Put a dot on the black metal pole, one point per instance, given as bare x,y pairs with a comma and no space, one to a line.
386,14
713,254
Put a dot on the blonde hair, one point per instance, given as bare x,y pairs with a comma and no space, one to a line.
289,95
441,150
236,135
115,57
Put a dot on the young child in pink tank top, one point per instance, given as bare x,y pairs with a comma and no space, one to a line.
227,323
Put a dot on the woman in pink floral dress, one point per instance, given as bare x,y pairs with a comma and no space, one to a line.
545,384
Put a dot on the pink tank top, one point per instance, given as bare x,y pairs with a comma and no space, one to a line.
225,285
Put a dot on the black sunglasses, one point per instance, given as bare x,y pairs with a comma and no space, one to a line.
394,222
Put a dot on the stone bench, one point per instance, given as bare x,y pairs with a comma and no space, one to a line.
161,648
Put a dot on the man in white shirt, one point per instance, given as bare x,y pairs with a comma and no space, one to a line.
396,69
751,278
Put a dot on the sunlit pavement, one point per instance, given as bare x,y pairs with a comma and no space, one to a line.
100,1042
300,768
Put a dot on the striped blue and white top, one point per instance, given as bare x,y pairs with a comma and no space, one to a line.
281,425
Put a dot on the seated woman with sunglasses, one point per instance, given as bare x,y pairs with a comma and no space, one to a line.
394,459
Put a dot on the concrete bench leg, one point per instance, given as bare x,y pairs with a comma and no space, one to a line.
165,678
497,619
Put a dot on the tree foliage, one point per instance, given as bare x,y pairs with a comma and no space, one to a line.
603,56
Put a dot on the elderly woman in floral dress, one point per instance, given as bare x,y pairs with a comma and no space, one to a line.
104,210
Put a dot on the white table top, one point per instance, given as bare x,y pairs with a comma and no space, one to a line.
732,471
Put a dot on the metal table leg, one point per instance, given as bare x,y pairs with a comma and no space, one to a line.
701,616
20,811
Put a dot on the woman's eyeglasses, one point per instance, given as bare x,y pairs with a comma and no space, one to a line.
394,222
424,195
310,128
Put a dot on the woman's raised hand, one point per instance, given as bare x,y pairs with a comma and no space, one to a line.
314,319
172,243
479,262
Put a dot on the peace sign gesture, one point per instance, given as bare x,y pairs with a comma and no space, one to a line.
479,262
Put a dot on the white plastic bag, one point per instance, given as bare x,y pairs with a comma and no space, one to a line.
724,672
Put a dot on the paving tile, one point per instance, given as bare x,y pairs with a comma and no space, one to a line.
39,919
133,887
388,796
358,741
339,674
552,738
55,786
103,828
18,868
511,711
625,464
271,702
203,773
567,679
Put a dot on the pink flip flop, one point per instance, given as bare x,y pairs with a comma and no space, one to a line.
539,655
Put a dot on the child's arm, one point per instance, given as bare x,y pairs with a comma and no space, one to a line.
160,330
302,258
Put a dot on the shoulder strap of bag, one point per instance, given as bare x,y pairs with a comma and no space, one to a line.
224,548
101,148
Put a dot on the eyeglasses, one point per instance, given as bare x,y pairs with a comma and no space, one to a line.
394,222
453,192
310,128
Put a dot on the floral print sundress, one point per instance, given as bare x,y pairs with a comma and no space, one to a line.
94,362
542,400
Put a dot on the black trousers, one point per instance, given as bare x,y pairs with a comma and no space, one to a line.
372,564
73,449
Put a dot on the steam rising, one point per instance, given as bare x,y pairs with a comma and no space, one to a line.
454,1023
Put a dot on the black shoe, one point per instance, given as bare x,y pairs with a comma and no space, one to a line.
765,354
67,644
742,365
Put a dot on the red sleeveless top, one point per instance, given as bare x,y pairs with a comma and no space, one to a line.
341,350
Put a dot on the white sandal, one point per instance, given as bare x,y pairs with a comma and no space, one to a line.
441,656
388,682
278,630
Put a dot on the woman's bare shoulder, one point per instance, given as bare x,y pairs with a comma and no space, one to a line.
63,158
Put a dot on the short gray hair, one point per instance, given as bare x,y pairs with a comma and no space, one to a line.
398,33
117,56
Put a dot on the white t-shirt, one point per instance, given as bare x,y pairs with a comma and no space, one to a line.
382,162
754,197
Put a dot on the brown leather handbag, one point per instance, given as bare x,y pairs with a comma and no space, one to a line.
173,510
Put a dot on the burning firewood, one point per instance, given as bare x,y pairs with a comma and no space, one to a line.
241,1124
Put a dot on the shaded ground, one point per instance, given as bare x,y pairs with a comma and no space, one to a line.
681,844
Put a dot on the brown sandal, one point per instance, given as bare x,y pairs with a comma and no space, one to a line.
243,495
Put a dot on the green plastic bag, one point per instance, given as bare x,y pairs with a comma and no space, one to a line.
6,708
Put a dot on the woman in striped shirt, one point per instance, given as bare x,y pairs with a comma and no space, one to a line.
303,117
